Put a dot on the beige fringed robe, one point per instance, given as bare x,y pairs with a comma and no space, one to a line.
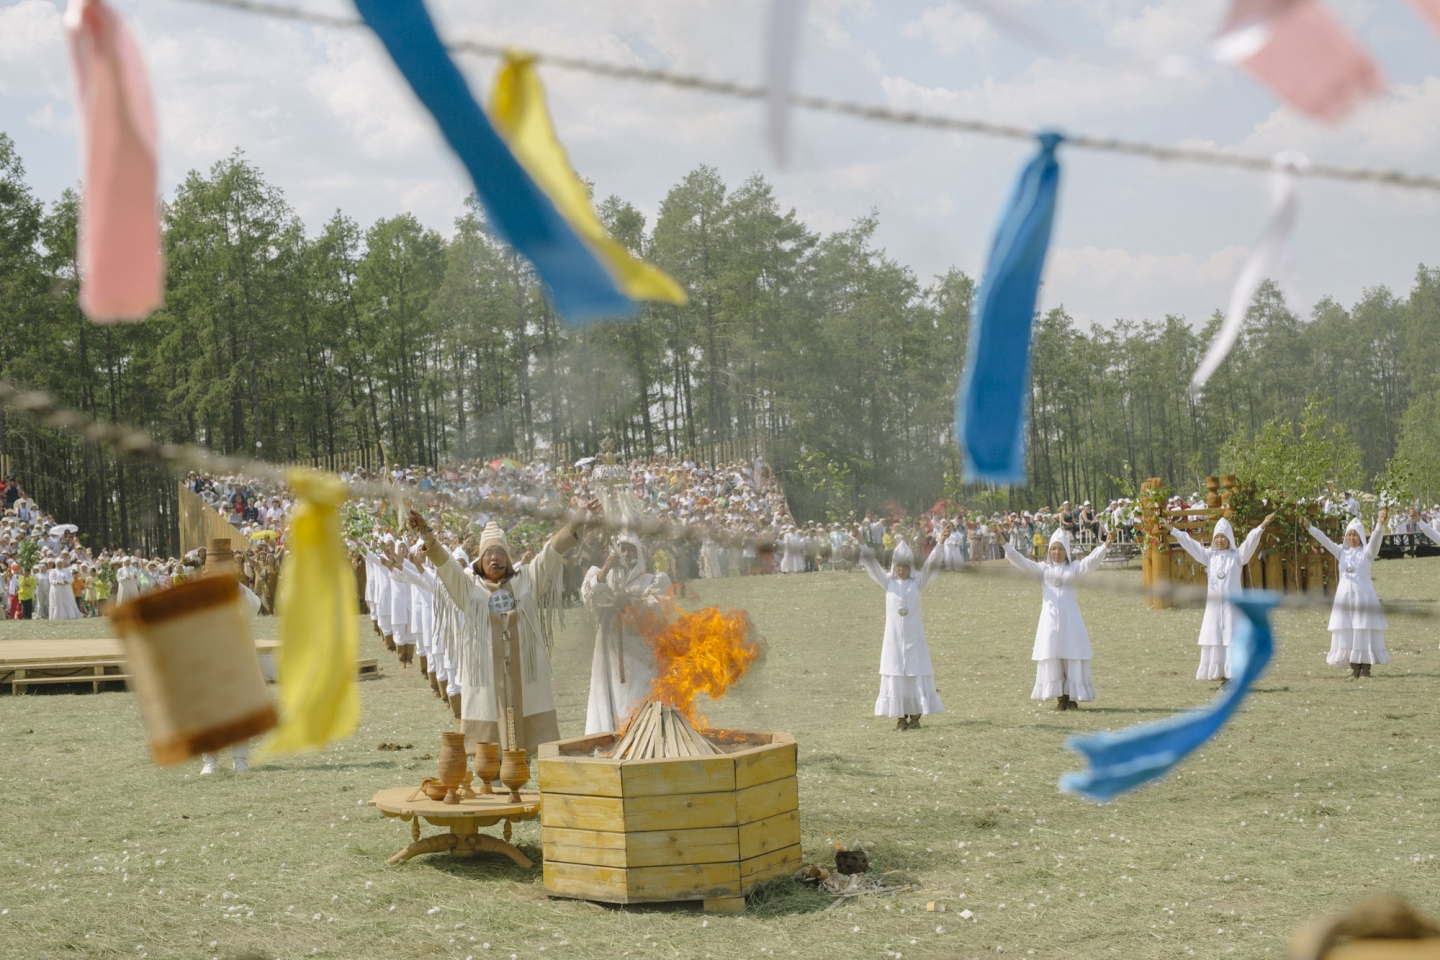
477,652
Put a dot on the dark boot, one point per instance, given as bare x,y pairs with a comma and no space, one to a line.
914,722
1062,702
1355,671
1364,669
1072,704
902,724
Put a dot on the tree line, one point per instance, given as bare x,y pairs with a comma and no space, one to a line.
819,349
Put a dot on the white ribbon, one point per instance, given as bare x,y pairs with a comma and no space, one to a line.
786,17
1272,252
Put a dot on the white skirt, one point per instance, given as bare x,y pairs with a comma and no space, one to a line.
1214,662
1070,678
1357,646
907,696
62,603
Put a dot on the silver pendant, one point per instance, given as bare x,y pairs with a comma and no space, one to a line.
1220,576
904,612
501,602
1349,568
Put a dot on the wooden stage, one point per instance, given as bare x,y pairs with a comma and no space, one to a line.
99,663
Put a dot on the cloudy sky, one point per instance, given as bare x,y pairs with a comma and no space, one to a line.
327,118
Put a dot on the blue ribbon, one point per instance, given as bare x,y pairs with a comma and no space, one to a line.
991,406
519,211
1122,760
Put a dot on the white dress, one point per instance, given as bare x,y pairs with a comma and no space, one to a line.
1223,569
907,680
954,559
710,560
1357,624
612,699
794,559
62,599
1062,651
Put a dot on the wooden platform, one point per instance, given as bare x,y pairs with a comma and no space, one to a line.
99,663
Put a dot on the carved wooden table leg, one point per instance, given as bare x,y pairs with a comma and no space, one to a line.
441,841
484,843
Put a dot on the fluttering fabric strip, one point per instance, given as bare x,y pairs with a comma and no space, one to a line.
991,406
122,268
1122,760
524,217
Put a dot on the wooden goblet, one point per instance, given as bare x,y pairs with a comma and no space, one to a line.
487,766
514,772
452,763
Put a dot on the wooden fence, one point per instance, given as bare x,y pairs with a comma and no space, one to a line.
1293,564
199,524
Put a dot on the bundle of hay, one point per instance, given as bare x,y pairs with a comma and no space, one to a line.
659,730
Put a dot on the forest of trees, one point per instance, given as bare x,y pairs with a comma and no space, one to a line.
836,361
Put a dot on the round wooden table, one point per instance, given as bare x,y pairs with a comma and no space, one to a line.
464,820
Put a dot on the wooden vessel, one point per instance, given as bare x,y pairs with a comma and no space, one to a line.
705,828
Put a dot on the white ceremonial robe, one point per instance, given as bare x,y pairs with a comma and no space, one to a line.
1223,569
1062,644
127,587
710,560
62,599
793,559
1357,623
399,609
953,558
907,679
613,700
479,657
382,595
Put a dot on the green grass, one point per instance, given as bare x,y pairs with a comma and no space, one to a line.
1318,792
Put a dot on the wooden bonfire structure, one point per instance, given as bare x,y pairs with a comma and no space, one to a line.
1284,564
663,812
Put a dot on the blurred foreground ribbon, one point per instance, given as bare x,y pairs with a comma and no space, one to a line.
786,17
517,107
1430,10
992,403
520,213
1300,52
319,638
1271,253
122,269
1123,760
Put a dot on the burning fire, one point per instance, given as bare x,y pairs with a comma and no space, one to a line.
702,652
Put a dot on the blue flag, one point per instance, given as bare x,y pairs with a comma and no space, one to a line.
991,406
1125,759
522,215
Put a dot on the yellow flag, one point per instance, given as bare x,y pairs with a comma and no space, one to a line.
517,108
319,637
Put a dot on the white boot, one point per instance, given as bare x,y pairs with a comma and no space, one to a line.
211,762
241,753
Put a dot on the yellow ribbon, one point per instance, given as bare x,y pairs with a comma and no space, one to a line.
518,110
319,637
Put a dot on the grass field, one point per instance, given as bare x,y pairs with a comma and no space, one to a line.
1317,793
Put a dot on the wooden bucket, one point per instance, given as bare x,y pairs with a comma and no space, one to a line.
192,663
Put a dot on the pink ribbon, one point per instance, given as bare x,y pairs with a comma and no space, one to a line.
1430,10
1302,53
122,268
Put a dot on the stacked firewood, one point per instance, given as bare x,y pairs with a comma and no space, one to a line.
659,730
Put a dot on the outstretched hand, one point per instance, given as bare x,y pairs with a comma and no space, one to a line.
1266,521
417,522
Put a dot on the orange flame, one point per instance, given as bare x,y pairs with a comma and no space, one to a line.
702,652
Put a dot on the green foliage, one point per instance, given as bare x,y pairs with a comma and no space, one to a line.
1420,445
1288,461
827,485
28,554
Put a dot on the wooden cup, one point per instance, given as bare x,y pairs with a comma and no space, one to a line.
192,665
487,766
514,772
452,763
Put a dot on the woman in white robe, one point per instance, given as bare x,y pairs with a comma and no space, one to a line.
907,679
710,567
623,664
954,559
793,560
1062,651
1223,565
62,597
1357,624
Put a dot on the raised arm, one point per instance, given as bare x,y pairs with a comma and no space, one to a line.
1092,562
1377,536
1428,530
1252,541
1324,541
873,568
931,568
1190,546
1023,562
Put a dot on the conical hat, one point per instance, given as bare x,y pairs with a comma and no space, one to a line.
1223,529
493,536
1062,538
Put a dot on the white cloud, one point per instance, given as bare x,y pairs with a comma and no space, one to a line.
1140,286
951,28
32,50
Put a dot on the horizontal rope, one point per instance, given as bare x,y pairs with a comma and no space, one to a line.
728,88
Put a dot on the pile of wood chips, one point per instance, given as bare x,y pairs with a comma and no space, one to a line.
659,730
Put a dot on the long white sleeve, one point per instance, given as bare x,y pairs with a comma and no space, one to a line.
1023,562
1324,541
1190,546
873,568
1251,544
